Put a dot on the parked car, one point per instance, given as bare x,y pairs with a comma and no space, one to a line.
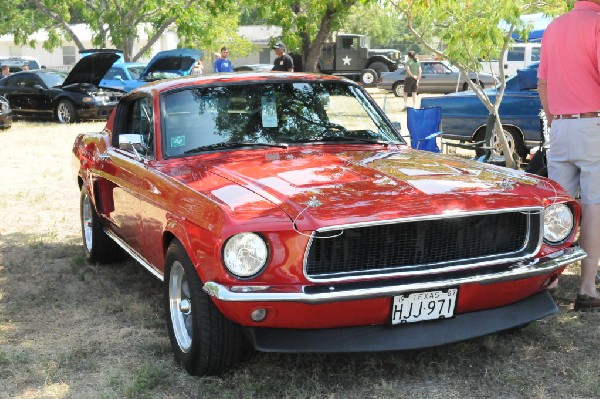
120,74
436,77
253,67
5,114
15,64
286,211
45,93
167,64
464,116
519,55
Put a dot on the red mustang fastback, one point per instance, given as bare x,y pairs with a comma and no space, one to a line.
285,211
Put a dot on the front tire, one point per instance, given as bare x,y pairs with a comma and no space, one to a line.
398,89
65,112
98,247
203,341
379,67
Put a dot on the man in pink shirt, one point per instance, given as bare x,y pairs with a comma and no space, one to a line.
569,87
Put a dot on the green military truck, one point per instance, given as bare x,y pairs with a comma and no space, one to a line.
351,56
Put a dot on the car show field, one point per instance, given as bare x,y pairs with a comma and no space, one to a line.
70,329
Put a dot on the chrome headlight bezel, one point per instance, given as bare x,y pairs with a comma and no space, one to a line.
245,255
559,223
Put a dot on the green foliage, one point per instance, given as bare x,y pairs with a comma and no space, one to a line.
381,22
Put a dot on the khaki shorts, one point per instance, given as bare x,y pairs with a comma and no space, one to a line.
574,157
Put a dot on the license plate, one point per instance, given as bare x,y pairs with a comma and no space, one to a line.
421,306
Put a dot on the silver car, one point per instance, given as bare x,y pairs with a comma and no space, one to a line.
437,77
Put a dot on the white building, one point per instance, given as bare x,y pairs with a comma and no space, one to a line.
62,58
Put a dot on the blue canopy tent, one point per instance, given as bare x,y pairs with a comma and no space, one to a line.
537,24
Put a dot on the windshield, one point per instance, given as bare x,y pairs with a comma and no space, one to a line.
206,119
135,72
52,79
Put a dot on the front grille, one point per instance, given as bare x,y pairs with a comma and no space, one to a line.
423,246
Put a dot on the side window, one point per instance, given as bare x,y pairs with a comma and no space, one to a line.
136,117
142,123
535,53
516,54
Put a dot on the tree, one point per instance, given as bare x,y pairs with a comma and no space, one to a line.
309,24
120,21
379,22
472,31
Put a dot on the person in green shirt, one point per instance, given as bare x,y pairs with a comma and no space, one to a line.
412,79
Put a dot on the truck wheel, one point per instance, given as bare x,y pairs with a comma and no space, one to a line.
65,112
398,88
97,246
368,77
379,67
203,340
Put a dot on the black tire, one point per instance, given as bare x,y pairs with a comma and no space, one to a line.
368,77
398,88
97,246
65,112
203,341
379,67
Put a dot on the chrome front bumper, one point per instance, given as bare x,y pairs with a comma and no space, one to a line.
336,293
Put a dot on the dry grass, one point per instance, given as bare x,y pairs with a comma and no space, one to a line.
72,330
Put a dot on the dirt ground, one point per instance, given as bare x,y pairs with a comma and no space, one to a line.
69,329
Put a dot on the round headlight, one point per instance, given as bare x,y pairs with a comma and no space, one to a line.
558,223
245,254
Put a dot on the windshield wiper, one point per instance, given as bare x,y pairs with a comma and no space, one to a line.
235,144
342,138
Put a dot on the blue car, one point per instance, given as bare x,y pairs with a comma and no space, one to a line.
120,74
166,64
464,115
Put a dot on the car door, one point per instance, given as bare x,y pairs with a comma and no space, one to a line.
28,95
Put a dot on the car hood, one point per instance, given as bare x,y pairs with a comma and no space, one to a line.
180,61
91,69
319,188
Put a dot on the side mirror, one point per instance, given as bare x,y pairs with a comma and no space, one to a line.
118,77
38,87
132,143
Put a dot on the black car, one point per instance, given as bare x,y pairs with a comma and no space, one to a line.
45,93
5,114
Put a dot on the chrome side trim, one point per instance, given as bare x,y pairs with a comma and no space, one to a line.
519,270
509,257
135,255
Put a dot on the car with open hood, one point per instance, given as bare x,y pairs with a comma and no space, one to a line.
285,211
45,93
164,65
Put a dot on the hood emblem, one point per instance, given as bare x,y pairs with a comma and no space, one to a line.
507,184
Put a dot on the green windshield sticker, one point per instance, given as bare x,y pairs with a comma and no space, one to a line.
269,111
177,141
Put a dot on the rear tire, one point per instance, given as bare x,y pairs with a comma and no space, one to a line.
515,144
398,89
97,246
203,341
379,67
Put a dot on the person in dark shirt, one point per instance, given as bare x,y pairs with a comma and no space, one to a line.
283,62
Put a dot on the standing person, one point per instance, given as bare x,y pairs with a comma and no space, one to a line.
5,71
283,62
412,79
222,64
569,87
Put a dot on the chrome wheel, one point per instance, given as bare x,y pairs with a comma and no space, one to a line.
180,306
87,222
399,89
497,144
64,112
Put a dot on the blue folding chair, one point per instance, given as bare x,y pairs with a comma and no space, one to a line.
424,127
